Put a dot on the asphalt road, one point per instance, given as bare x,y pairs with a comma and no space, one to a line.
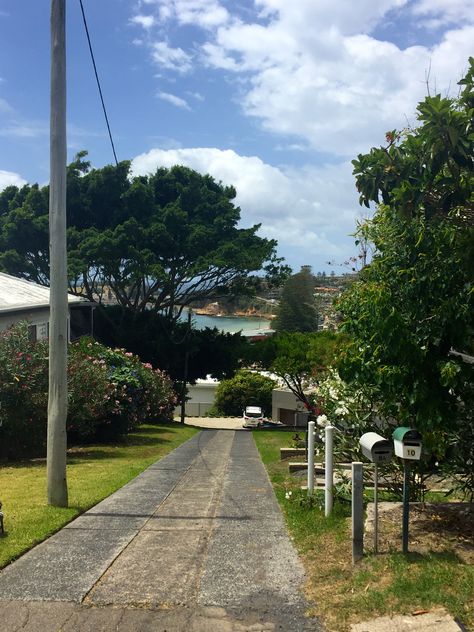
196,543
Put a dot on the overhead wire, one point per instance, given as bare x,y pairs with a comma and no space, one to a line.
98,81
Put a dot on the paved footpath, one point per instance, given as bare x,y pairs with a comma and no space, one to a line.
196,543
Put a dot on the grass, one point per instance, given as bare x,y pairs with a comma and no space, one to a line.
93,472
384,584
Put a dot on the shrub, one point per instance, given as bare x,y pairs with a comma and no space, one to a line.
23,392
90,393
136,393
110,392
244,389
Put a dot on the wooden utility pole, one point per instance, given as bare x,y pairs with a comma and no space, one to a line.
58,323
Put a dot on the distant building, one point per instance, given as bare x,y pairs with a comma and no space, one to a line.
328,289
22,300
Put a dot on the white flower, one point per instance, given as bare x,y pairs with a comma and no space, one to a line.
288,495
322,421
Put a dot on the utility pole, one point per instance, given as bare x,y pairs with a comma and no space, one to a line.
58,325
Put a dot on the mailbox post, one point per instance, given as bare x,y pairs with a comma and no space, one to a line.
378,450
407,445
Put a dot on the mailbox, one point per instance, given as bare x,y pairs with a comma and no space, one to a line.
376,448
407,443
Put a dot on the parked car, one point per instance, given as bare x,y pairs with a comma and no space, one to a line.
253,417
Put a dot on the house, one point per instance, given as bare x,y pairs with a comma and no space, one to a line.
22,300
287,408
200,397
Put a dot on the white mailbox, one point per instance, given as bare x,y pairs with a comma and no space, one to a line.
407,443
375,448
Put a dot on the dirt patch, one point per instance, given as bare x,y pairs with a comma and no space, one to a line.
437,527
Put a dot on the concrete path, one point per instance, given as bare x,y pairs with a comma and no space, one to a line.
196,543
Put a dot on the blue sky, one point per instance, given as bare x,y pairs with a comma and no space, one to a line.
273,96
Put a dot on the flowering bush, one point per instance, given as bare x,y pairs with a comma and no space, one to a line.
346,408
351,411
23,392
135,392
110,392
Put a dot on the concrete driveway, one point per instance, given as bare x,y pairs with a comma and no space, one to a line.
214,423
196,543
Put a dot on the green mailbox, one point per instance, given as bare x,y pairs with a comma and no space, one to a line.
407,443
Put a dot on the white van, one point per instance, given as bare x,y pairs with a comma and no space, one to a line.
253,417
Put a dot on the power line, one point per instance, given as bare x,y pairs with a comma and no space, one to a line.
98,82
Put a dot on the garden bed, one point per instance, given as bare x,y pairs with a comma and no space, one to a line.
434,527
434,574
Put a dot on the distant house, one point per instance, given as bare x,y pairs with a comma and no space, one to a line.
287,408
22,300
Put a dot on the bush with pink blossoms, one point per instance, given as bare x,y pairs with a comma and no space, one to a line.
110,392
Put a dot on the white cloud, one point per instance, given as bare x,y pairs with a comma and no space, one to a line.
171,58
310,211
5,107
146,21
196,95
207,14
314,71
24,130
8,178
312,18
174,100
437,13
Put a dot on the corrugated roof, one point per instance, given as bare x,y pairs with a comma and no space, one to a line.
21,294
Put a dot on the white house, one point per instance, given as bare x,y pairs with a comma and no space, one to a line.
22,300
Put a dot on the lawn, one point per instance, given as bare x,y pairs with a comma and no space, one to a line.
384,584
94,472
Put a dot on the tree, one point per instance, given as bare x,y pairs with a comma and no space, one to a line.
414,302
246,388
299,359
148,335
156,242
427,170
297,308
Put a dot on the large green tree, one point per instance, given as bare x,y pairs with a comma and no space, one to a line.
156,242
297,308
414,303
300,360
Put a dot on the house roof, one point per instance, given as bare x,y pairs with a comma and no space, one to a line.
19,294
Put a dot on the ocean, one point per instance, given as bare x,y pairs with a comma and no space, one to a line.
230,324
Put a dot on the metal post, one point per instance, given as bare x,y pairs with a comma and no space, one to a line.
185,371
328,469
357,512
306,443
310,458
58,329
406,504
376,509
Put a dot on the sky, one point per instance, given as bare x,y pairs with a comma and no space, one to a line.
275,97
